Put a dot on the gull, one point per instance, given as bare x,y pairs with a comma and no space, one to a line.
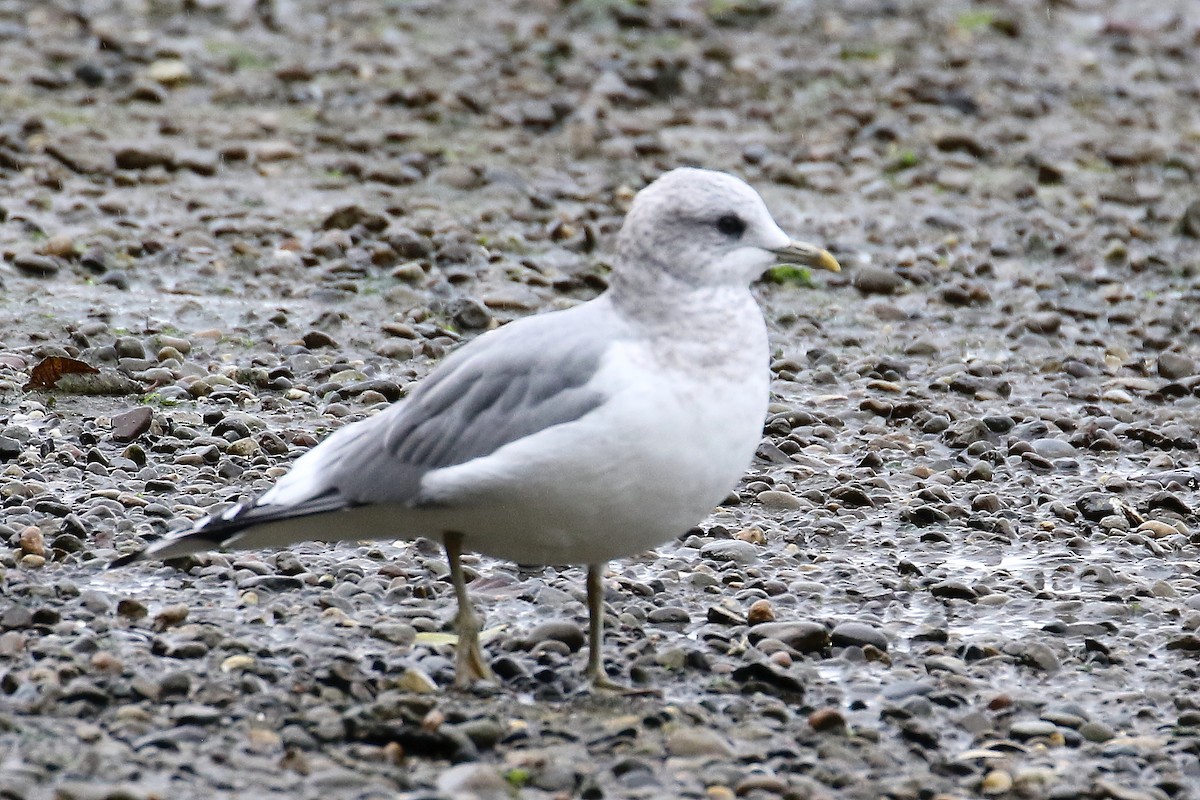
570,437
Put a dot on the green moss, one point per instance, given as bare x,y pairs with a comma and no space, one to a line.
976,19
791,274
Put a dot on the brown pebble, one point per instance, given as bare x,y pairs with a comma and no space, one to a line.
103,661
131,424
999,702
131,609
32,541
753,535
170,616
827,720
433,720
760,611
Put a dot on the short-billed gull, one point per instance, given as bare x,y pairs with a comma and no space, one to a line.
572,437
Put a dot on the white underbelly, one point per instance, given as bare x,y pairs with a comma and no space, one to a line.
640,470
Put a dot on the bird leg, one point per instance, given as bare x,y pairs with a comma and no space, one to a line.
469,663
595,666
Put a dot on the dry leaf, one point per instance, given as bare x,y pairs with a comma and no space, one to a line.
47,373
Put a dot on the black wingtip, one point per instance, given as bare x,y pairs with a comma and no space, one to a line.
125,560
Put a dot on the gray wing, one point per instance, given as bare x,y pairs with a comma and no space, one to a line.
528,376
506,385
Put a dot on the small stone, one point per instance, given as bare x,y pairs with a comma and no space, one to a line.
1031,728
760,784
416,681
804,636
1045,323
9,448
475,781
469,314
243,447
1157,529
563,631
692,742
753,535
144,156
1189,223
38,266
876,280
827,720
859,634
237,663
169,72
760,612
170,616
996,782
953,590
32,541
781,500
1174,366
1163,589
1096,732
1095,506
131,609
1053,448
271,151
730,550
315,340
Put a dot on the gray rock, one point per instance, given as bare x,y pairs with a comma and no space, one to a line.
1174,366
1053,448
692,742
565,631
36,265
1030,728
804,636
730,550
858,633
474,782
876,280
144,156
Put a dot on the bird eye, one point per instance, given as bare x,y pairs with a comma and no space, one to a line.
731,225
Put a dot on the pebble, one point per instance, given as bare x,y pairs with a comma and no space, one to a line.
876,280
692,742
416,681
730,550
32,542
1174,366
1053,448
760,611
996,781
474,782
806,637
1030,728
847,634
781,500
1096,731
565,631
129,425
144,156
827,720
169,72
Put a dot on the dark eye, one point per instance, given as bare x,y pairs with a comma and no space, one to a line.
731,225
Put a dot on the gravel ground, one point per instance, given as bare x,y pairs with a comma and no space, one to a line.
964,563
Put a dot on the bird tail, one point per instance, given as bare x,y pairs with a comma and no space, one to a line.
248,525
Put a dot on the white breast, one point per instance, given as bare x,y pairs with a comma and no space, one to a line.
679,429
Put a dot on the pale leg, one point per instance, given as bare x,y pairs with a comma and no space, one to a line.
469,663
595,666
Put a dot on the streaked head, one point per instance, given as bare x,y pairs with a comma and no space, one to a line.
708,228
